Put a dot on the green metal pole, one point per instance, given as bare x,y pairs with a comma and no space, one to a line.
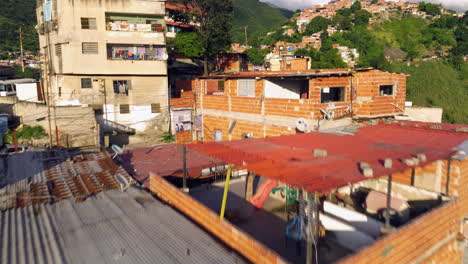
226,191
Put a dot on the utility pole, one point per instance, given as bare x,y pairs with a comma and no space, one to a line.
47,83
21,47
245,30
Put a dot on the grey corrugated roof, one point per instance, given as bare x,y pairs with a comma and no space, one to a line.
112,227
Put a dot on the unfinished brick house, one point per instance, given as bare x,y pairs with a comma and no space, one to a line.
423,183
260,104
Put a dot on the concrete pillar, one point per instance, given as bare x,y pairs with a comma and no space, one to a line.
249,186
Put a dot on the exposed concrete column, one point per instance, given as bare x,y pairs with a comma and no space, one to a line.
249,186
389,200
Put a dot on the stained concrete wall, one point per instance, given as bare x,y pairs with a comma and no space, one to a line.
77,125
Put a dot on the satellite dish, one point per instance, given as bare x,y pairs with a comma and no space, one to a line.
302,125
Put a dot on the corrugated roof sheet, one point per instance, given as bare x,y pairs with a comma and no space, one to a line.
112,227
166,161
48,176
290,159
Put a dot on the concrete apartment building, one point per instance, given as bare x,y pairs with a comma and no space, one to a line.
110,55
260,104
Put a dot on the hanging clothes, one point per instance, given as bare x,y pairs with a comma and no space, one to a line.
47,10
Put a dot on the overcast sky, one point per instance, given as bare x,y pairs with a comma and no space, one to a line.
458,5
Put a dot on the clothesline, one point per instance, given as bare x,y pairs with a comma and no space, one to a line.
136,27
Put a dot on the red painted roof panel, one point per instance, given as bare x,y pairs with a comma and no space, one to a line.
291,159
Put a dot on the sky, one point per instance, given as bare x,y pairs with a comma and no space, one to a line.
458,5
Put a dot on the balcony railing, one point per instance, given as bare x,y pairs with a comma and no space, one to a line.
136,52
135,27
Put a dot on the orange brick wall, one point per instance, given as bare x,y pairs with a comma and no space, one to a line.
223,230
184,137
416,239
427,232
362,84
185,100
367,85
257,130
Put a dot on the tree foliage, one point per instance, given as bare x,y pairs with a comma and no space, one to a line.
215,20
356,6
430,9
189,44
14,13
317,24
256,56
437,84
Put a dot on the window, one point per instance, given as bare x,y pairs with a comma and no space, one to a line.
86,83
386,90
246,88
221,85
218,135
332,94
89,48
155,108
58,50
122,86
125,109
88,23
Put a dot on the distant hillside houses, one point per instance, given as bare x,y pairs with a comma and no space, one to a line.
375,7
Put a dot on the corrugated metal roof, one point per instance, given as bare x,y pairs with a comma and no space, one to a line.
166,161
290,159
112,227
48,176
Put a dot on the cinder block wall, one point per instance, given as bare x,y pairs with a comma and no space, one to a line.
77,125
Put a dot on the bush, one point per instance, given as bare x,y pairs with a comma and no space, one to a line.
26,133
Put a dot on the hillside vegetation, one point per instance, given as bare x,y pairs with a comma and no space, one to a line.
14,13
258,16
437,84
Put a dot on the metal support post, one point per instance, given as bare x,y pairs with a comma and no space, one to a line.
389,199
184,160
225,194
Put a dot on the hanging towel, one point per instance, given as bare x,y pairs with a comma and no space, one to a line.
132,27
144,27
115,27
47,10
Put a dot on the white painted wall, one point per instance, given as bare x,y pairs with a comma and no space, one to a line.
286,89
425,114
27,92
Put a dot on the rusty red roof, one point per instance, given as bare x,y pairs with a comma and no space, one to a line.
50,176
166,161
290,159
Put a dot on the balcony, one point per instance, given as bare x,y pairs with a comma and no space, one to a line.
135,52
134,23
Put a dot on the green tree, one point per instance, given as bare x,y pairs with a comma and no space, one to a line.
215,20
188,43
361,17
317,24
430,9
257,56
356,6
344,12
